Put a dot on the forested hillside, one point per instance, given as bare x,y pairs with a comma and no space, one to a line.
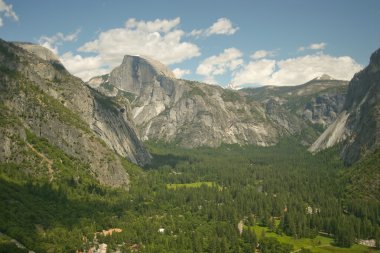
192,200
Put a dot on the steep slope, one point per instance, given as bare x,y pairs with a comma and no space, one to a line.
318,101
364,178
194,114
42,103
358,125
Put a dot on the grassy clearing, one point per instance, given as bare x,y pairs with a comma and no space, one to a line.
320,244
354,249
192,185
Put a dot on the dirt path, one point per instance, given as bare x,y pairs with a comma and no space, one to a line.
44,159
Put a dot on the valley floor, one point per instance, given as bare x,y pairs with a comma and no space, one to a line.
191,200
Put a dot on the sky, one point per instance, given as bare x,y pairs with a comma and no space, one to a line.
240,43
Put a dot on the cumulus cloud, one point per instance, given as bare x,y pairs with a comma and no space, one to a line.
52,42
294,71
223,26
84,67
262,54
159,39
179,73
215,65
6,10
255,72
314,46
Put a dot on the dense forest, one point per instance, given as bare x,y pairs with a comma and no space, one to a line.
190,200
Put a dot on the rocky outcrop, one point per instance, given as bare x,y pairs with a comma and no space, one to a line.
326,100
334,134
46,100
318,101
359,123
111,123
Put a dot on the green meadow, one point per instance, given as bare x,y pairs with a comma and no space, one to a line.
319,244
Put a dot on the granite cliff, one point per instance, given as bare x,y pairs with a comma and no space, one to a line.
358,125
40,100
194,114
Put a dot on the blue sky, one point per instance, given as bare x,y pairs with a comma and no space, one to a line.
237,43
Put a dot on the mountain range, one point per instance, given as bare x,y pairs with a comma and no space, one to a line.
172,165
194,114
141,100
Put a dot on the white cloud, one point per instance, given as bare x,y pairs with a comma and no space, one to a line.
84,67
212,66
255,72
56,40
262,54
223,26
6,10
314,46
157,25
179,73
294,71
159,39
318,46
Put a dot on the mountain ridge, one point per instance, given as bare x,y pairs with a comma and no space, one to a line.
358,126
53,105
194,114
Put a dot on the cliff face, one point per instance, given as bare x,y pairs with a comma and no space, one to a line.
363,105
194,114
43,98
189,113
359,123
318,101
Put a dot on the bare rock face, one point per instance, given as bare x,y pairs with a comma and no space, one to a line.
363,105
136,72
334,134
318,101
196,114
359,123
188,113
54,105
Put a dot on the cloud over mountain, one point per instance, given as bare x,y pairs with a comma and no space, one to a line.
161,39
216,65
294,71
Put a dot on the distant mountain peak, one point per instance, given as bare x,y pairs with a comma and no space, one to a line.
323,77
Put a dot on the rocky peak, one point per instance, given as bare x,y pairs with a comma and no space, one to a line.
158,67
136,72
